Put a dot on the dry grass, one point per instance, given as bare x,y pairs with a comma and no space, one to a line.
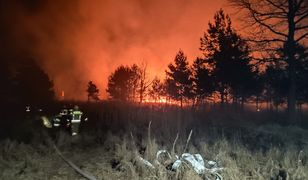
246,152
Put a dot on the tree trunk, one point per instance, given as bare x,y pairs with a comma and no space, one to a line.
181,102
242,102
290,48
141,96
292,96
257,103
222,97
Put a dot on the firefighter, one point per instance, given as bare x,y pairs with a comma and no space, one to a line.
28,108
59,118
75,118
64,111
57,121
65,116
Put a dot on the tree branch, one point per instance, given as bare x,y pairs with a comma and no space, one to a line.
300,13
273,14
302,37
301,27
266,50
302,18
264,60
266,25
277,6
298,5
265,40
254,14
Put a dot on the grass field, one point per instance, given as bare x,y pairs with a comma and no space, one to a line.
248,145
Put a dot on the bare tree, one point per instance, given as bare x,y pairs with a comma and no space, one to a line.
144,83
275,24
134,82
157,89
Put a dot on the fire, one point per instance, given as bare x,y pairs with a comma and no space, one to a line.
161,100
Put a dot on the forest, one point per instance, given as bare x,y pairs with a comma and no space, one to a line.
239,110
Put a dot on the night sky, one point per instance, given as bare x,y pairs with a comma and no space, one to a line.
80,40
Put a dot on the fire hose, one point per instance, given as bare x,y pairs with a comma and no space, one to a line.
72,165
46,122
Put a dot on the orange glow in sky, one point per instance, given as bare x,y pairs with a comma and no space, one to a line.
80,40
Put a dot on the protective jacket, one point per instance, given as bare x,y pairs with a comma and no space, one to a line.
76,116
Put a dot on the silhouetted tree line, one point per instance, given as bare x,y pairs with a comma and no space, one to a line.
128,83
24,82
276,24
227,70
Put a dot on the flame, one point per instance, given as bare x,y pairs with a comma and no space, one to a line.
161,100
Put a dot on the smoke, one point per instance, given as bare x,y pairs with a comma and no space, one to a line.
76,41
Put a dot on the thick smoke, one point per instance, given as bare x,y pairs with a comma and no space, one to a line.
80,40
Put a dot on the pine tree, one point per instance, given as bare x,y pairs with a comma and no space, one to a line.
123,83
30,84
227,57
93,91
179,78
203,81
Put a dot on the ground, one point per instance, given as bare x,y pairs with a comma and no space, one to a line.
246,144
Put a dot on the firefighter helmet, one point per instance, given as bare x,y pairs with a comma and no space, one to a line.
76,108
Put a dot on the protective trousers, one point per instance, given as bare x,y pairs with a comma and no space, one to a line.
75,128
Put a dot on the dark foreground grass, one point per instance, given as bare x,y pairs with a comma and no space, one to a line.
247,144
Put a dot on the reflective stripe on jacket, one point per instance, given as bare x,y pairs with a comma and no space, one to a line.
76,116
75,121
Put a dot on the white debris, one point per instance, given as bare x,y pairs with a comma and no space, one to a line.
218,176
195,160
196,163
147,163
159,153
212,163
176,164
214,170
199,159
162,152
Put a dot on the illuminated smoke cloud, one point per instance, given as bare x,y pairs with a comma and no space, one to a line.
80,40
